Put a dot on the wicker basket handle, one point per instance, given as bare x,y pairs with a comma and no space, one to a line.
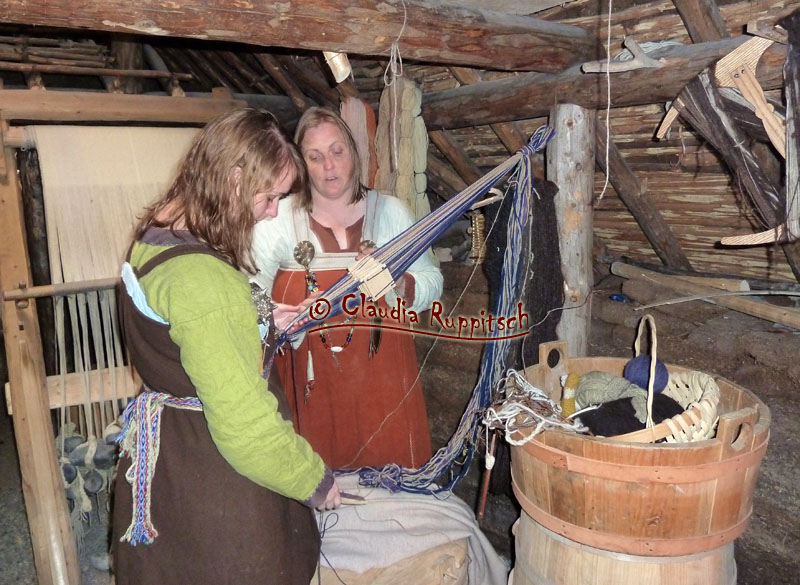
652,377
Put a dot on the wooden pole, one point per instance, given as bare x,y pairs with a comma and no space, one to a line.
570,165
73,70
73,106
54,549
57,289
772,313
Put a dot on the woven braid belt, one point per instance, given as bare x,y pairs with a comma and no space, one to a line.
140,440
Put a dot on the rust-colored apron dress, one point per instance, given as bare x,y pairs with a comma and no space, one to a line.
214,525
362,411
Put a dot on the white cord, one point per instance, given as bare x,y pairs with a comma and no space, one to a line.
608,98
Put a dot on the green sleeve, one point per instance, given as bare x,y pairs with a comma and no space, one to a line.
213,321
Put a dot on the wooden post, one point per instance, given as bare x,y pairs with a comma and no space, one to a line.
570,165
54,549
128,54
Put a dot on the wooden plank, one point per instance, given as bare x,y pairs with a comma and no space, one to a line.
76,106
570,165
638,202
771,313
54,549
531,95
702,19
70,391
428,31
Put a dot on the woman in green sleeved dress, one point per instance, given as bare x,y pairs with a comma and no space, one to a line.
214,485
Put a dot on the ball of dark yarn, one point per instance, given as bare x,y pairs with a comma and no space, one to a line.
637,371
618,417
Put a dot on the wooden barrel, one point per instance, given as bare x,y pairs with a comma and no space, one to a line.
666,500
544,558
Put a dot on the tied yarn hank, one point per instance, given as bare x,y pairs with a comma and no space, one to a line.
140,439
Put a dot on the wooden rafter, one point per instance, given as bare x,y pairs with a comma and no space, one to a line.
509,133
253,78
314,85
272,66
455,154
228,69
702,19
531,95
634,195
431,31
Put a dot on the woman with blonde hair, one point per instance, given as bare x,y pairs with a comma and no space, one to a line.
214,486
354,391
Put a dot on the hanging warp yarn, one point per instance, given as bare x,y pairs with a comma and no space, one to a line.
541,290
451,461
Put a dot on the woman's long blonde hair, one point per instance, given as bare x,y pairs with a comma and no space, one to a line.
317,116
205,194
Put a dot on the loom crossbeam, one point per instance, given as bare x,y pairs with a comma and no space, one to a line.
69,390
57,289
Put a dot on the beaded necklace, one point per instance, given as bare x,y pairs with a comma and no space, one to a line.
313,287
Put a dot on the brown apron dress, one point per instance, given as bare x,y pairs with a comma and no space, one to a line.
214,525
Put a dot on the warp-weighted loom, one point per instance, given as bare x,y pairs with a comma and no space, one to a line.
30,393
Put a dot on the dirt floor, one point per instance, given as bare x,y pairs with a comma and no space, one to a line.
756,354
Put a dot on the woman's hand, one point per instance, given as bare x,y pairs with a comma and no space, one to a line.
332,500
283,314
365,252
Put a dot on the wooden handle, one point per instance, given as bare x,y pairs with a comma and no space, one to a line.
735,430
747,83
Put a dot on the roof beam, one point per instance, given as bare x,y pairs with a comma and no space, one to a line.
428,30
702,19
634,195
531,95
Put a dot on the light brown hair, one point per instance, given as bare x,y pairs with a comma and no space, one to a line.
317,116
204,193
